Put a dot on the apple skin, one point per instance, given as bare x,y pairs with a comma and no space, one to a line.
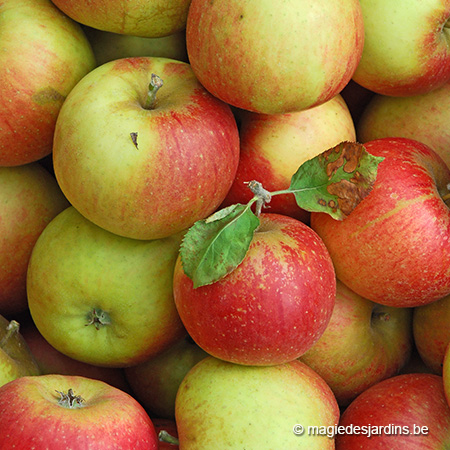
231,46
363,344
43,55
31,417
145,18
155,382
29,199
273,147
272,307
432,333
77,268
16,358
110,46
446,374
422,117
51,361
403,401
222,405
395,66
186,156
394,247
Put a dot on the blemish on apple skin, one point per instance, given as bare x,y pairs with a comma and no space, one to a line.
48,95
134,136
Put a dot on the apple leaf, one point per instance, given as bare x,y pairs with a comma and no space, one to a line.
335,181
215,246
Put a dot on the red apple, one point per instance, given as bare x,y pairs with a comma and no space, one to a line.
29,199
273,307
363,344
144,168
274,146
403,412
432,332
52,412
394,248
43,55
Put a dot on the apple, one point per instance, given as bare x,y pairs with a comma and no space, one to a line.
403,412
394,248
423,117
222,405
432,333
51,361
273,147
110,46
144,168
146,18
155,382
52,412
446,374
363,344
272,307
271,57
406,46
100,298
43,55
29,199
16,358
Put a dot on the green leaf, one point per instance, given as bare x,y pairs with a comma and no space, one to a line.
335,181
215,246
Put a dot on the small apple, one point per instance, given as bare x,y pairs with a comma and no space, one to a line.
29,199
396,248
272,307
16,359
403,412
43,55
51,361
432,333
52,412
406,46
422,117
110,46
100,298
221,405
146,18
273,147
144,167
274,57
155,382
363,344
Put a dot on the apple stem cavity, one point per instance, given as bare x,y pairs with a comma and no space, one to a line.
380,315
70,400
155,83
164,436
98,318
11,329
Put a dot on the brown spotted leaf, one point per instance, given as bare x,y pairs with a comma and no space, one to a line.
335,181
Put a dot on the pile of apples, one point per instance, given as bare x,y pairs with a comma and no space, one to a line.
125,122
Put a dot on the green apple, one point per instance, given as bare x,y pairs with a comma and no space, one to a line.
155,382
424,118
146,18
363,343
406,46
16,359
101,298
109,46
274,57
227,406
43,54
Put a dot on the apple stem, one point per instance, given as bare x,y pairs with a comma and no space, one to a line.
164,436
155,83
11,329
262,196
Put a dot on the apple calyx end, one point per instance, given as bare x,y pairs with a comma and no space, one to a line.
70,400
11,329
155,84
98,318
262,196
380,315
